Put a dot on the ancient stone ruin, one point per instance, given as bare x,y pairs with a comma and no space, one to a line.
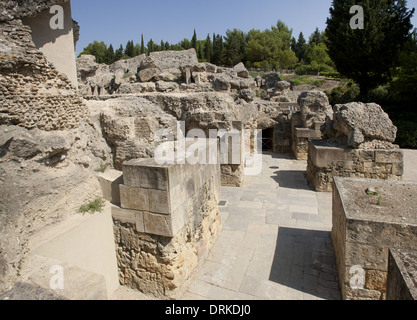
358,142
72,130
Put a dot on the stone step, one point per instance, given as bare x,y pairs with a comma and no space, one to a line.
65,280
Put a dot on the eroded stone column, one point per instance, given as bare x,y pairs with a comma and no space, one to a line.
166,225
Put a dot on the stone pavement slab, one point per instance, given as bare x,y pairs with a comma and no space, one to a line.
276,241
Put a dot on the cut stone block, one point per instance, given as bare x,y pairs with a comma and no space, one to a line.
129,217
366,227
110,182
326,161
145,173
402,275
134,198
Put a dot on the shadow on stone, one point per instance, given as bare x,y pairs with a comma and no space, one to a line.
304,260
292,180
29,292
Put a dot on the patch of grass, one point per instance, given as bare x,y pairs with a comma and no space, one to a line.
254,74
379,203
127,75
94,206
103,167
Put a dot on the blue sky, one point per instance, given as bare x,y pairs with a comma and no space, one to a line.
118,21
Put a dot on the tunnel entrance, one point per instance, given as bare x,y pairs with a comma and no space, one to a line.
268,139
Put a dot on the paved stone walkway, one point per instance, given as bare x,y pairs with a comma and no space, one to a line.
275,242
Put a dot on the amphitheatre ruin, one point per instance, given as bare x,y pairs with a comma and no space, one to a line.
303,201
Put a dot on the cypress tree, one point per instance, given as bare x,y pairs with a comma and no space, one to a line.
208,49
194,41
142,45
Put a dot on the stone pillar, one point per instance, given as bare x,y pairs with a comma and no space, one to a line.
232,152
57,45
188,77
166,225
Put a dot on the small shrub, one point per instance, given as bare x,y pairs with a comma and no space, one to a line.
345,93
95,206
318,83
103,167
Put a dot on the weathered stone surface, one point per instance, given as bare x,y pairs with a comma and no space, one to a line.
34,93
163,86
247,95
146,75
314,106
365,227
128,65
86,66
174,60
12,9
402,275
139,87
129,125
241,70
363,123
179,227
328,160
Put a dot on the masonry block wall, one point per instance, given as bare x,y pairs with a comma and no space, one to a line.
364,232
402,275
326,161
33,94
166,224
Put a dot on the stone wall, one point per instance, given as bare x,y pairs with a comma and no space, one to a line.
56,45
326,161
402,275
366,225
357,142
33,94
17,9
166,225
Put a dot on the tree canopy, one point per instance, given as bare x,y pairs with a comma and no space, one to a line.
367,55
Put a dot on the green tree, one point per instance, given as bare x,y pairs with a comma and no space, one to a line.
316,37
208,49
185,44
119,53
142,45
300,48
219,52
367,55
137,50
272,46
404,82
235,47
194,40
130,49
97,49
110,56
151,46
317,55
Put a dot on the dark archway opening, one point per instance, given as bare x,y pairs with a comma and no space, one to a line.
268,139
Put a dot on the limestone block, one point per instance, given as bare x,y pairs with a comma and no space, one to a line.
364,231
159,201
145,173
134,198
132,217
110,182
402,275
158,224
